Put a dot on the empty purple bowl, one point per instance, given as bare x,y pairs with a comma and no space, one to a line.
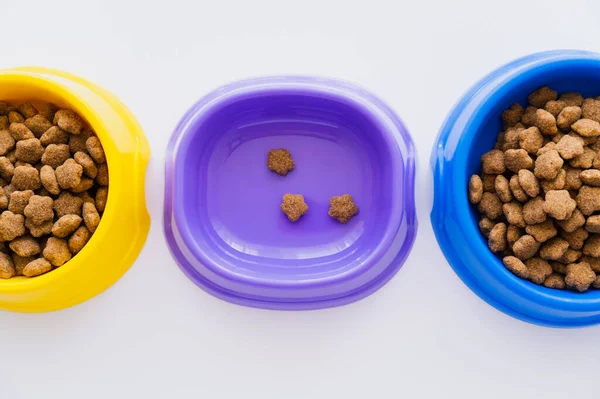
223,220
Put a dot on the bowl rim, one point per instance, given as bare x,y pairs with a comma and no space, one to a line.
357,98
448,159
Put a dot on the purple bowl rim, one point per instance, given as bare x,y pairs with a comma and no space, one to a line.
360,99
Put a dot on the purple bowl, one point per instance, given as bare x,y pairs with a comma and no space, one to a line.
223,221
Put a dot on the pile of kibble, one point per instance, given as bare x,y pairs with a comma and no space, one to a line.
539,191
53,187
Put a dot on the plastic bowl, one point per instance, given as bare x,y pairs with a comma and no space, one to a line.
223,220
469,131
125,223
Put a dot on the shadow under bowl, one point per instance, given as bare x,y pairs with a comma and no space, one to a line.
223,219
470,131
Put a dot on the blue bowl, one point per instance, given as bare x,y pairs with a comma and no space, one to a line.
470,131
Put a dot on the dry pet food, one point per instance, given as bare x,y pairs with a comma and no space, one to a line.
538,193
53,187
279,161
293,206
342,208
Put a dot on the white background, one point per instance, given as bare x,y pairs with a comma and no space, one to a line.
156,335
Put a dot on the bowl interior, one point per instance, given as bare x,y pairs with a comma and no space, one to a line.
230,201
565,75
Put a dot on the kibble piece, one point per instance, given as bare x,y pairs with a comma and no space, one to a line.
529,183
546,122
4,124
538,269
590,177
570,256
516,266
89,167
97,153
20,132
571,99
586,127
68,121
548,165
554,248
77,142
57,251
67,204
48,111
555,281
559,204
594,263
102,177
585,160
78,240
85,184
590,109
25,246
15,117
558,267
516,189
38,125
69,174
20,262
528,118
7,142
55,155
512,115
3,199
533,211
592,246
542,232
66,225
54,135
492,162
7,267
513,211
572,179
488,181
497,238
554,107
29,150
502,188
569,147
513,233
19,200
37,267
547,147
579,276
475,189
26,178
86,197
511,138
593,224
38,230
558,183
48,179
101,197
485,226
515,160
279,160
588,200
293,206
11,157
341,208
27,110
11,226
490,205
541,96
576,239
526,247
531,140
39,209
567,117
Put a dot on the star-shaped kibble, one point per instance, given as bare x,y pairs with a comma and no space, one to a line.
342,208
280,161
293,206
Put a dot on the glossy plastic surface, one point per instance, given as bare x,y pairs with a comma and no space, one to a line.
223,220
469,132
125,223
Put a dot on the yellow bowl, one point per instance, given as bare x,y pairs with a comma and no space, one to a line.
125,223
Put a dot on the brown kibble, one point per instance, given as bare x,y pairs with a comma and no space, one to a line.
37,267
78,240
57,251
526,247
279,160
489,182
26,178
529,183
48,111
89,167
576,239
559,204
590,109
513,233
511,138
558,183
555,281
493,162
92,218
25,246
67,204
546,122
69,174
66,225
572,179
585,160
7,142
27,110
554,248
54,135
7,267
38,230
38,125
490,205
29,150
592,246
48,178
475,189
11,157
516,160
588,200
593,224
497,238
4,124
77,143
85,184
341,208
97,153
533,211
502,188
11,226
558,267
86,197
485,226
571,99
3,199
68,121
570,256
548,165
554,107
20,132
538,269
20,262
594,263
579,276
529,116
590,177
542,232
39,209
569,147
19,200
547,147
531,140
516,189
293,206
567,117
102,177
515,266
101,197
512,115
587,127
513,211
541,96
15,117
55,155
